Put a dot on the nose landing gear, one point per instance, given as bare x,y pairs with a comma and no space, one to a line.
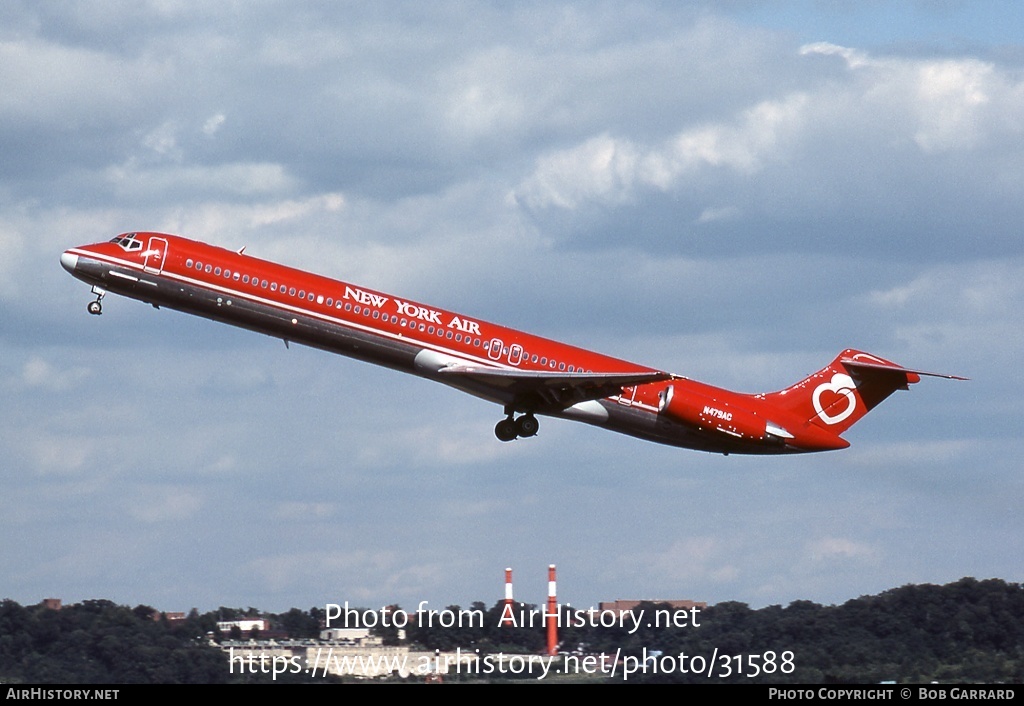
510,428
96,307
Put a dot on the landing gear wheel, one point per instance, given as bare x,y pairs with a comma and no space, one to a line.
527,425
95,307
505,430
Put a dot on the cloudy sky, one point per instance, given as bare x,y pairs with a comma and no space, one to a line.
731,191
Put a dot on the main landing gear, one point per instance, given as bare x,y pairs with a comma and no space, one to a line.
510,428
96,307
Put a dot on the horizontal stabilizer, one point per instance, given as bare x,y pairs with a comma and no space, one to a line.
855,363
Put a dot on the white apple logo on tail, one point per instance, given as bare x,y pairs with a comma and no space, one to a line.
842,385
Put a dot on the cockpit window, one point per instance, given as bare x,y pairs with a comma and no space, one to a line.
128,241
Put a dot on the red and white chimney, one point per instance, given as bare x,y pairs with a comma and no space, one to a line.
506,612
552,613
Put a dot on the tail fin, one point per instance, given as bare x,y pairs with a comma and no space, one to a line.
837,396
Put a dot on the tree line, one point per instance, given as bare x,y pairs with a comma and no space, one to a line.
969,630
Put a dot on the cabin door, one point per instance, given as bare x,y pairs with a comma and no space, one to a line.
156,254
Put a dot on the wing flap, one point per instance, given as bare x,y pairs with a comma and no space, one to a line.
554,388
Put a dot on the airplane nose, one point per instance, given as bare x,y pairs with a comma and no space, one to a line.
69,261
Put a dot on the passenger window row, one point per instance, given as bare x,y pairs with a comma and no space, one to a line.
367,311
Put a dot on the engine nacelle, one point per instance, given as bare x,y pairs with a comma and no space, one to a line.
708,413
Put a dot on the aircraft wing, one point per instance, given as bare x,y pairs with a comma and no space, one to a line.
552,388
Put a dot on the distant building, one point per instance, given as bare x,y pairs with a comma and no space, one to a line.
245,625
350,636
52,603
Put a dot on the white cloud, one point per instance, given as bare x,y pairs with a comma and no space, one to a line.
854,58
482,95
601,168
609,170
360,573
59,455
720,213
840,548
163,141
38,372
857,119
984,288
137,182
951,99
213,124
686,561
13,245
965,312
295,511
165,503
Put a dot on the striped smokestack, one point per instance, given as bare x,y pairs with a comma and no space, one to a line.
552,613
506,612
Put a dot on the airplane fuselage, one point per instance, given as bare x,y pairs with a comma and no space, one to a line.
523,373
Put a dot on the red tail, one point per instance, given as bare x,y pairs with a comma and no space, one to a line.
837,396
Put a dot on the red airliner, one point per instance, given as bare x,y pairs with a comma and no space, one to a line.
526,374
